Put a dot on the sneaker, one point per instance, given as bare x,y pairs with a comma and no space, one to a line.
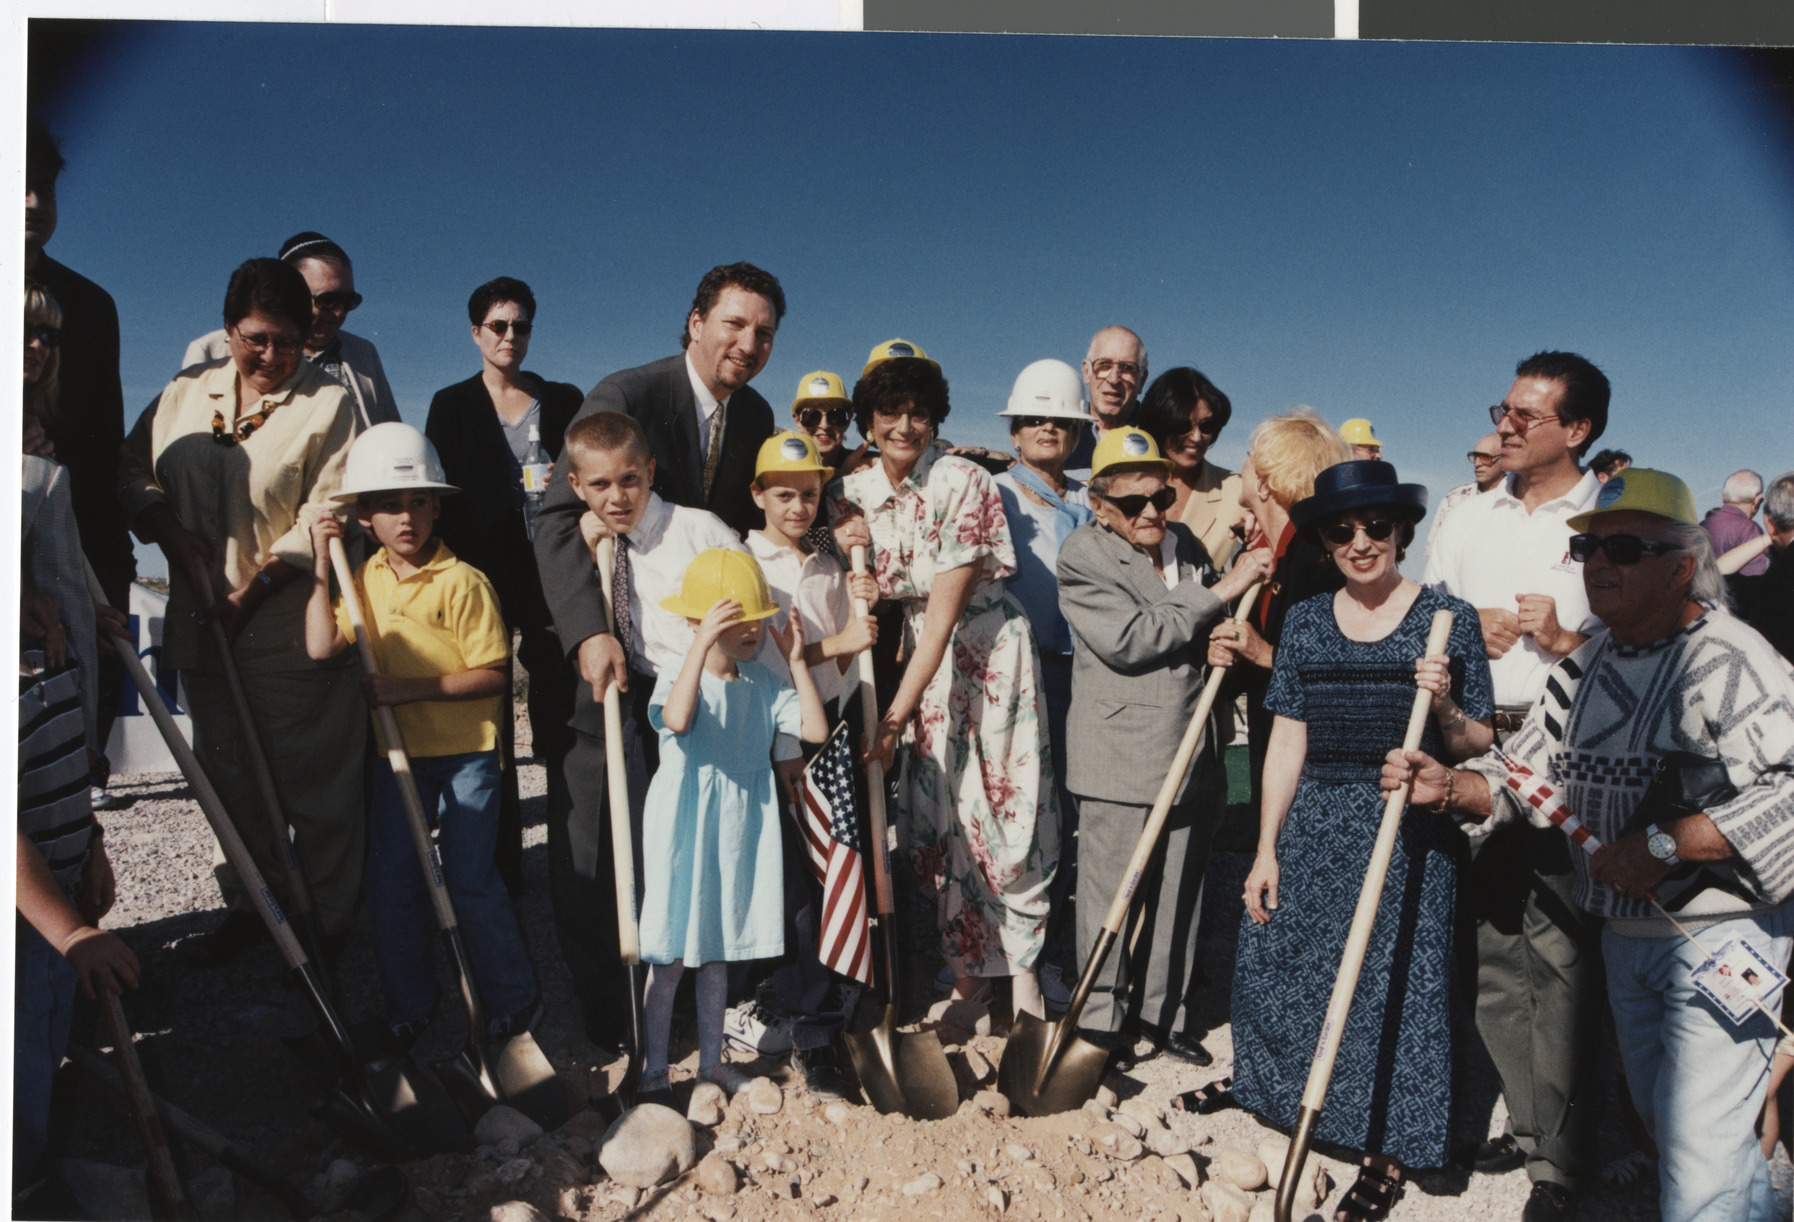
755,1030
725,1075
509,1027
822,1072
105,799
1052,986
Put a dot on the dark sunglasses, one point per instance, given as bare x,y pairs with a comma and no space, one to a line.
1208,426
334,301
1134,506
1621,549
837,417
44,334
1341,533
499,326
1036,422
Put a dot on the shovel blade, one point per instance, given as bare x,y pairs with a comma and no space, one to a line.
528,1082
381,1194
421,1111
904,1071
465,1079
394,1113
1035,1088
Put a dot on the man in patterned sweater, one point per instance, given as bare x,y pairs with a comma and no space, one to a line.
1676,681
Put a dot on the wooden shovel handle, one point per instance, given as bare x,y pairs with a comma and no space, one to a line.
875,771
164,1183
396,756
616,779
1174,780
1365,915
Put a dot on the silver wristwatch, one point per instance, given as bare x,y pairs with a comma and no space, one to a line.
1662,846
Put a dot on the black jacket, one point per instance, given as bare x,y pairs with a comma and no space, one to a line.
482,522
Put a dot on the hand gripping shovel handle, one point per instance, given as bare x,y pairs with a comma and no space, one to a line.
1143,850
875,772
616,779
1320,1076
164,1183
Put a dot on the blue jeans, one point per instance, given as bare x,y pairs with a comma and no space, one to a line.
1698,1081
43,1003
460,794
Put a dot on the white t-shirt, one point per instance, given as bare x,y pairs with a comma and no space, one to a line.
1491,550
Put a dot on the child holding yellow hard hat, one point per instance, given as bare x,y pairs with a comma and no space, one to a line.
713,879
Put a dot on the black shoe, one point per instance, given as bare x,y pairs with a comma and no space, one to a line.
240,930
1499,1155
1187,1048
822,1072
1120,1048
610,1044
510,1026
1549,1203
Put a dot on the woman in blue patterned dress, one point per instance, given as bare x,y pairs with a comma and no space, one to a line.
1341,689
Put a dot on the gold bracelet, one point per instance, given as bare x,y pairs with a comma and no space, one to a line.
1451,788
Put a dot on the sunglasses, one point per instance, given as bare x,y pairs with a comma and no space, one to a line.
1040,422
499,326
1342,533
1523,422
837,417
1480,459
44,334
1209,426
1621,549
336,301
1134,506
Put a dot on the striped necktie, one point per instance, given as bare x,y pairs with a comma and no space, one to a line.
713,455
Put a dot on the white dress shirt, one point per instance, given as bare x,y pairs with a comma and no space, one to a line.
663,543
818,588
1491,550
707,405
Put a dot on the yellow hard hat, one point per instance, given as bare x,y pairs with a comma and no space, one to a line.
1357,432
1645,490
719,573
895,349
820,385
791,451
1125,447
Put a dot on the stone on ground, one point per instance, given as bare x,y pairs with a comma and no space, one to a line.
708,1103
764,1098
717,1175
501,1122
1242,1170
1226,1203
648,1145
516,1211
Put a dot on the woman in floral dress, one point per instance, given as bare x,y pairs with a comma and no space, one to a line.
978,817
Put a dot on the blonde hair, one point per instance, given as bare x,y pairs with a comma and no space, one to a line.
603,432
41,310
1290,449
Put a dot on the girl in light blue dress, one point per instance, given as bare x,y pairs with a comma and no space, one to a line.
712,858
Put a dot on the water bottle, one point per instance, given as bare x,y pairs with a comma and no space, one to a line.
535,479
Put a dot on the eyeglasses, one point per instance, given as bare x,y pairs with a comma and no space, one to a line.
1040,422
282,345
336,302
1208,426
44,334
498,327
837,417
1621,549
1340,534
1127,371
1480,459
917,415
1523,422
1134,506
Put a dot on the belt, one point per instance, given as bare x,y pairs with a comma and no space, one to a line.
1055,659
1508,722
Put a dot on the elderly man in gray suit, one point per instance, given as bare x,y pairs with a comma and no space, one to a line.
1140,594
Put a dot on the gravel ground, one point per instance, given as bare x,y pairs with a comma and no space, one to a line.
210,1041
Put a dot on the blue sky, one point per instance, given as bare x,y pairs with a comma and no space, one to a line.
1377,230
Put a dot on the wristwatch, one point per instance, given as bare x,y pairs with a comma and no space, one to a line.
1662,846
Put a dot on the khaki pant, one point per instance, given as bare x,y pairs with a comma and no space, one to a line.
314,728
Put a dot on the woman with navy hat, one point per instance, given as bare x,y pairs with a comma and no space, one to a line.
1340,690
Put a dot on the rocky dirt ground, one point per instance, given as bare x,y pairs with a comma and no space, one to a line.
211,1042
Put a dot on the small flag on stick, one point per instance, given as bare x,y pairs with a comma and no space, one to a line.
831,825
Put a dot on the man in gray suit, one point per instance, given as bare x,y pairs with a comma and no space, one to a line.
1140,595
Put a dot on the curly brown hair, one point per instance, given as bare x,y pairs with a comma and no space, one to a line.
898,382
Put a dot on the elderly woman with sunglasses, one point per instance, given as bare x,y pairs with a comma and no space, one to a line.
1340,692
226,471
1140,594
978,813
1185,413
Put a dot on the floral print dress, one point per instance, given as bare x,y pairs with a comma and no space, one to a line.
978,809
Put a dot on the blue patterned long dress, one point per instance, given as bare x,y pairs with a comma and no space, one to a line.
1391,1087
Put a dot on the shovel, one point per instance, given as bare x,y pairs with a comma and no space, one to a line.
1320,1074
380,1194
899,1071
164,1183
517,1073
622,851
1046,1067
398,1109
298,895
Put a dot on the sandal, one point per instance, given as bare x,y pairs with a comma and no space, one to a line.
1372,1195
1217,1096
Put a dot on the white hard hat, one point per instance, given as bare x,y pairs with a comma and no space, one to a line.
390,457
1048,388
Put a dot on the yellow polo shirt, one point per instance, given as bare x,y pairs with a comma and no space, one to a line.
441,620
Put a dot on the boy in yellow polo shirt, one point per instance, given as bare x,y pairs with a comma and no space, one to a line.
441,647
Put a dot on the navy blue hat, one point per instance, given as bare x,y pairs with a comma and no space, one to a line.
1357,485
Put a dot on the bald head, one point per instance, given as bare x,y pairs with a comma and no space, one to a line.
1485,461
1115,374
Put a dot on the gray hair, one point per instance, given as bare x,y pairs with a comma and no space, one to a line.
1707,585
1138,343
1778,502
1741,488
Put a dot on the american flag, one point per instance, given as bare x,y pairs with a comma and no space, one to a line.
831,827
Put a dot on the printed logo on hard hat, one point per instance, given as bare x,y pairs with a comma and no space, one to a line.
819,387
404,470
900,349
1134,445
1611,491
793,449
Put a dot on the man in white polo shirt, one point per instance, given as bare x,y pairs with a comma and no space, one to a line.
1508,554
